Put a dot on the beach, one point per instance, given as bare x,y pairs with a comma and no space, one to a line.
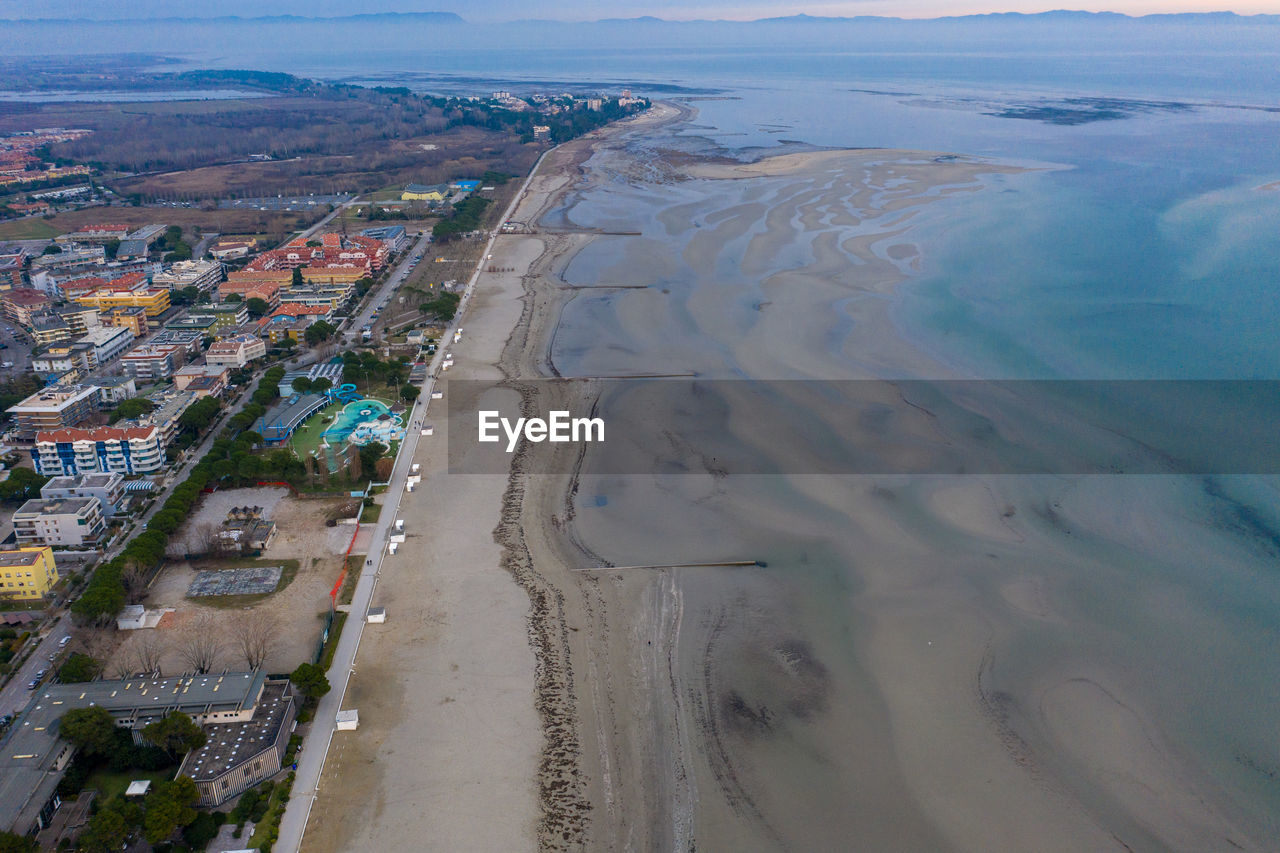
906,663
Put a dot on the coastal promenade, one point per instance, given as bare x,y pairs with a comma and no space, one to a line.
316,746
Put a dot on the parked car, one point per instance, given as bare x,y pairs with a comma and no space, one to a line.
63,642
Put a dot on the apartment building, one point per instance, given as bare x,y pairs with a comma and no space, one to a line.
152,362
27,574
124,450
204,275
235,352
107,487
53,408
20,304
77,522
153,300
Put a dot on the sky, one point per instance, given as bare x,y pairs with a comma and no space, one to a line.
578,10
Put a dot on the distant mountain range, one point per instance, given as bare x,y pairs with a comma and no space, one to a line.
450,18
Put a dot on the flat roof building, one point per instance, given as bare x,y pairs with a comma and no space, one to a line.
53,408
204,275
33,757
127,450
107,487
61,521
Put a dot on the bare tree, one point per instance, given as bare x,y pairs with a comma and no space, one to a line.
200,537
200,644
148,649
256,636
134,578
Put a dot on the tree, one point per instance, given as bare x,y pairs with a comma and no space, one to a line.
319,386
409,393
13,843
319,331
107,831
297,277
201,831
234,297
79,667
200,644
302,385
256,636
147,651
134,407
175,733
310,680
21,483
370,454
92,729
169,806
257,307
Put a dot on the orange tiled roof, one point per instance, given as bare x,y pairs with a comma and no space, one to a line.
97,434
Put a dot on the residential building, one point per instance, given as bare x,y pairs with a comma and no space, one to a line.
11,267
62,521
125,450
33,758
27,574
150,362
204,275
394,236
71,256
58,359
80,318
541,131
235,352
201,323
226,315
20,304
113,389
153,300
49,328
189,340
421,192
290,328
250,287
130,317
107,342
165,416
331,294
74,288
203,379
107,487
53,408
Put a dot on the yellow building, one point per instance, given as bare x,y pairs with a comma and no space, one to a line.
132,318
153,300
418,192
28,573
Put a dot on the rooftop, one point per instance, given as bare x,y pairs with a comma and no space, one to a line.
55,506
27,557
229,744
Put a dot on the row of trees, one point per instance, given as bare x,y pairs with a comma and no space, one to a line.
464,218
108,588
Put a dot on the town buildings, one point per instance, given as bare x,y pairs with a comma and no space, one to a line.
152,362
27,574
76,522
421,192
203,380
250,288
153,300
393,236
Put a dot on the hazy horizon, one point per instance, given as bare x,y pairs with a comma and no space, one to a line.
515,11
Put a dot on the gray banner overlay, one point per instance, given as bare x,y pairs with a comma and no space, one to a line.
732,427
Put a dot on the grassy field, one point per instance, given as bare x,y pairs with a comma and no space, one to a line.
28,229
109,784
268,223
